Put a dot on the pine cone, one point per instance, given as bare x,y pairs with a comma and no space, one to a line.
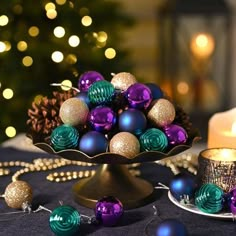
44,116
182,118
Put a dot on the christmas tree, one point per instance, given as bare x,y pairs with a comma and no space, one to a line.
44,42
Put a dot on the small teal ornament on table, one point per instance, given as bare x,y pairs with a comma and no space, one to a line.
153,139
101,92
64,137
65,221
209,198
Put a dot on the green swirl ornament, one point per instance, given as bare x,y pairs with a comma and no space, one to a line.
64,221
153,139
64,137
101,92
209,198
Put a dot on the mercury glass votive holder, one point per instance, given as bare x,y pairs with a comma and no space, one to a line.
217,166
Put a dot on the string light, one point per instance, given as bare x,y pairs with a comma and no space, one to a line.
2,46
50,6
86,21
33,31
27,61
10,131
102,37
22,46
59,31
71,59
3,20
110,53
7,93
57,56
74,41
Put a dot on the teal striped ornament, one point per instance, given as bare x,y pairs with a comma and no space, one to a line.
209,198
64,137
101,92
64,221
153,139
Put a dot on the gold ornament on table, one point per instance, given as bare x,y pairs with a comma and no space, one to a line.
123,80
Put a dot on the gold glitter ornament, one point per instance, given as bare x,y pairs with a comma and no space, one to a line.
123,80
74,112
162,112
125,144
17,194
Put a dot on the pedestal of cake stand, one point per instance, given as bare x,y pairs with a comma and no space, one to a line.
113,180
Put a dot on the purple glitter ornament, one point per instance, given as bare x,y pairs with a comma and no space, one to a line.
102,118
108,210
138,96
175,134
87,79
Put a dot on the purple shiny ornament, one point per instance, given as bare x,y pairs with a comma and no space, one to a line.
102,118
138,96
87,79
175,134
232,200
108,211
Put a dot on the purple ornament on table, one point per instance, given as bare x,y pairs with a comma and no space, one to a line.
93,143
87,79
176,135
102,118
138,96
108,211
231,200
171,227
133,121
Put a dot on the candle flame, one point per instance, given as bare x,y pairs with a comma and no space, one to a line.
233,129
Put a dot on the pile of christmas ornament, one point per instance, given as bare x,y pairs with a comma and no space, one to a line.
120,116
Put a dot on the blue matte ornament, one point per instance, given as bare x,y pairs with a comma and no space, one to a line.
183,187
171,227
93,143
133,121
84,97
155,90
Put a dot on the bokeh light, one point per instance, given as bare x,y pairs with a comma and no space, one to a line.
74,41
182,87
50,6
2,46
27,61
22,46
7,93
60,2
10,131
66,85
102,37
71,59
33,31
110,53
3,20
51,14
86,21
59,31
57,56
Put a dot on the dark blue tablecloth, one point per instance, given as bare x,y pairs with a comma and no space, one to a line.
135,222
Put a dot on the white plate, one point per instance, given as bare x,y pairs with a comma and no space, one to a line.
192,208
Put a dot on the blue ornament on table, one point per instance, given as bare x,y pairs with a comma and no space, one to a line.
87,79
64,137
183,187
108,211
102,119
65,221
171,227
83,96
176,135
101,93
155,90
93,143
133,121
138,96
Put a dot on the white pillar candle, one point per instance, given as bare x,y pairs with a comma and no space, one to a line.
222,130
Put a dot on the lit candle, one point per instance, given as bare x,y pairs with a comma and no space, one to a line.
222,129
202,45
